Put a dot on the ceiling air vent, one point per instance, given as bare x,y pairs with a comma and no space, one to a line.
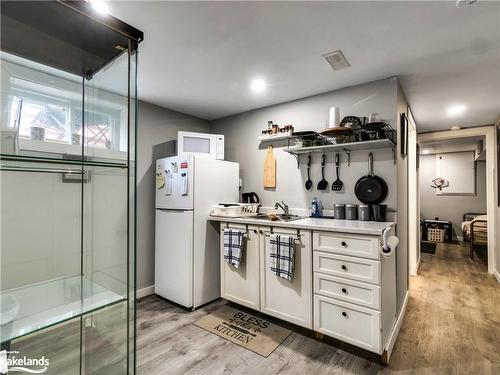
337,60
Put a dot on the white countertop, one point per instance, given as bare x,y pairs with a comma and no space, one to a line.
345,226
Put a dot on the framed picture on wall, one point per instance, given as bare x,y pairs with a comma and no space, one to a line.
403,134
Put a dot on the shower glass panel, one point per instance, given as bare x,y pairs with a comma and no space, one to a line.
67,187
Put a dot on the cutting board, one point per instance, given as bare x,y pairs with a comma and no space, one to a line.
270,169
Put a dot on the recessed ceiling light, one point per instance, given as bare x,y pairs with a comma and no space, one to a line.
455,127
100,6
425,152
456,110
258,85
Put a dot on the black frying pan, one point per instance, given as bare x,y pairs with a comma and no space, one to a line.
371,189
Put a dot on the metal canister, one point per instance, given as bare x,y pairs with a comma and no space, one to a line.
364,212
339,211
351,211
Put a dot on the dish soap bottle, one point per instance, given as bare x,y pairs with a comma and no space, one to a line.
315,208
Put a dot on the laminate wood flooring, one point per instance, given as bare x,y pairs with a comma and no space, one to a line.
452,326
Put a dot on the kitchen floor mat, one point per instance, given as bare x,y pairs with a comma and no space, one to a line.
428,247
249,331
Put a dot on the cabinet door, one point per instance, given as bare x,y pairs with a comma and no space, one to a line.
242,285
288,300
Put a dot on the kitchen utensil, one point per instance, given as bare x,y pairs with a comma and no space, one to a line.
351,212
379,212
364,212
374,125
363,136
309,183
373,117
333,132
334,119
337,184
251,197
270,169
381,134
339,211
350,121
371,189
306,133
323,184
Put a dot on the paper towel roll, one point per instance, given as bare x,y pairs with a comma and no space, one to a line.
334,119
390,246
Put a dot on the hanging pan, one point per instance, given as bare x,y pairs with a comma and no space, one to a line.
371,189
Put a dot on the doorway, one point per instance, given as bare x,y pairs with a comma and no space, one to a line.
452,182
464,159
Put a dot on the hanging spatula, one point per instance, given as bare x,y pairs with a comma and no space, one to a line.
337,184
323,184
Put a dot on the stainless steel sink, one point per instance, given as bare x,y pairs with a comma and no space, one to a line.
281,217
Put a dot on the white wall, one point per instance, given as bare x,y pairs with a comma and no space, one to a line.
401,106
155,125
242,130
497,210
449,207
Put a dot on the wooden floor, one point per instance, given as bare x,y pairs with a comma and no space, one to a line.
452,326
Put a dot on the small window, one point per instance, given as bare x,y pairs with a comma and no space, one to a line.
59,113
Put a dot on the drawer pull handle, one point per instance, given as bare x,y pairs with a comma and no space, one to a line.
255,231
344,267
261,232
344,290
344,314
343,243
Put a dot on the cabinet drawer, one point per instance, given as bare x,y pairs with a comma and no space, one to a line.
360,269
356,325
344,244
347,290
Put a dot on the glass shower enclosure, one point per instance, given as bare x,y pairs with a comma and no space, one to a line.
67,188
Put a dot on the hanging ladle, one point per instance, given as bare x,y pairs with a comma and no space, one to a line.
309,183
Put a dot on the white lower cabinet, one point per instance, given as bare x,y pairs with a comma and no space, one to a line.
354,290
255,286
341,287
242,284
356,325
290,300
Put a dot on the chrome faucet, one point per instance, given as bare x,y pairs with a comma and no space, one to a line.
283,206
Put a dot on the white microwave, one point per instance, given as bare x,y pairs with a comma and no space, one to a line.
201,144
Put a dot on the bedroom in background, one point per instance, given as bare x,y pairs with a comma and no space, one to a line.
453,183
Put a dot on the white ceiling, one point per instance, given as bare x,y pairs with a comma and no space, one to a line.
199,57
450,145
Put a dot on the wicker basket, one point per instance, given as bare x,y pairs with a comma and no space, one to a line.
435,234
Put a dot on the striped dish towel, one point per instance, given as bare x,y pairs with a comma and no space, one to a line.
233,246
282,252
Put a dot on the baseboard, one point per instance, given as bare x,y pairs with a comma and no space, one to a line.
144,292
497,275
395,331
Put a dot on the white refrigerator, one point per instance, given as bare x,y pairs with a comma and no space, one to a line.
187,255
